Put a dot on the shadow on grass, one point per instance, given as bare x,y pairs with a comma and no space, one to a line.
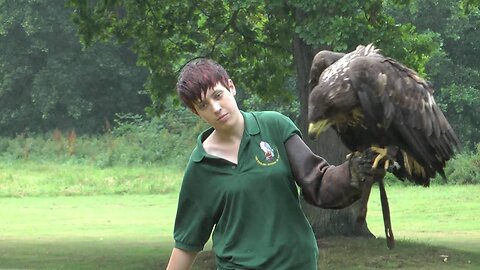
361,253
335,253
83,254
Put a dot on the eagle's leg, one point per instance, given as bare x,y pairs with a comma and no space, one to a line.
388,153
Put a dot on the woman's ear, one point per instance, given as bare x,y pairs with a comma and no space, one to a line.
231,87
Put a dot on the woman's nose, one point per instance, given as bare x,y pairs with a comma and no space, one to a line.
216,106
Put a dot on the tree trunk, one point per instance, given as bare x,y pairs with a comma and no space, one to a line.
324,222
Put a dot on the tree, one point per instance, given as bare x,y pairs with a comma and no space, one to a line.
454,70
262,43
244,36
48,81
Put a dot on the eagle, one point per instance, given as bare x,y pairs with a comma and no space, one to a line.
376,104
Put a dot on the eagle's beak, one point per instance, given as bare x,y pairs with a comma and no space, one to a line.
314,129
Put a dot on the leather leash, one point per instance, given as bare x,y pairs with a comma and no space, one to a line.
386,215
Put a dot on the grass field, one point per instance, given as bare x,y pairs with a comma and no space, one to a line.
440,215
135,231
30,178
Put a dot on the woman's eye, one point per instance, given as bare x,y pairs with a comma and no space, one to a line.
201,105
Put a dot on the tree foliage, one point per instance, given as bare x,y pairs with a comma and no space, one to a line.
246,36
253,39
454,70
48,81
255,42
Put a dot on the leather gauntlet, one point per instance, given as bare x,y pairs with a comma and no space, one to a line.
361,170
323,185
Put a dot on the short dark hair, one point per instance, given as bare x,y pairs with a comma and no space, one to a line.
196,77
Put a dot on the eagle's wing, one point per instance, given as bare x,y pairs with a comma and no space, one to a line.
395,97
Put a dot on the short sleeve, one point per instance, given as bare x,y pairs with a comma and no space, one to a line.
194,221
287,127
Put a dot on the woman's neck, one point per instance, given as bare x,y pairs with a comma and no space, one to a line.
231,134
225,143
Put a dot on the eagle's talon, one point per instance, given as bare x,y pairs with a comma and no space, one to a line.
382,153
387,164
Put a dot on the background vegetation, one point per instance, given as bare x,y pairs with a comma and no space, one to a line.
133,145
48,80
131,52
93,142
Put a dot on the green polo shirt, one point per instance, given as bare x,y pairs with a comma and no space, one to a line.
251,207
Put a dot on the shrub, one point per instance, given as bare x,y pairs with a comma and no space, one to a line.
167,139
464,168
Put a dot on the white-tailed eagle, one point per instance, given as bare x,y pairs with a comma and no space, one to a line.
374,102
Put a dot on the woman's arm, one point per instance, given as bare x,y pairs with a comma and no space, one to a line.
181,259
324,185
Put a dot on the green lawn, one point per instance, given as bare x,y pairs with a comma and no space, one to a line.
33,178
95,232
135,232
440,215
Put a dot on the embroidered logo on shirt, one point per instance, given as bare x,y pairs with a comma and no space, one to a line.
269,155
268,150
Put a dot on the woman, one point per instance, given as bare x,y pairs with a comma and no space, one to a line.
240,185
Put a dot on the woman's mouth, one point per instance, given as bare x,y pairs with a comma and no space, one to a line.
222,117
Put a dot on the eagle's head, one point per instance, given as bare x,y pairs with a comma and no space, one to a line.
319,121
317,114
331,100
320,114
321,61
333,105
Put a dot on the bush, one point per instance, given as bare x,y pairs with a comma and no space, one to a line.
464,168
167,139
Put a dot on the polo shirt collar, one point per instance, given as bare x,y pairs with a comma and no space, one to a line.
251,128
251,124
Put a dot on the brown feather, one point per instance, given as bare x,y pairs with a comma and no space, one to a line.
396,104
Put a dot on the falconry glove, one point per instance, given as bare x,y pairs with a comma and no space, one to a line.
360,165
323,185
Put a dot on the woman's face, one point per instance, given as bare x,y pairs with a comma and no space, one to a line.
218,107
